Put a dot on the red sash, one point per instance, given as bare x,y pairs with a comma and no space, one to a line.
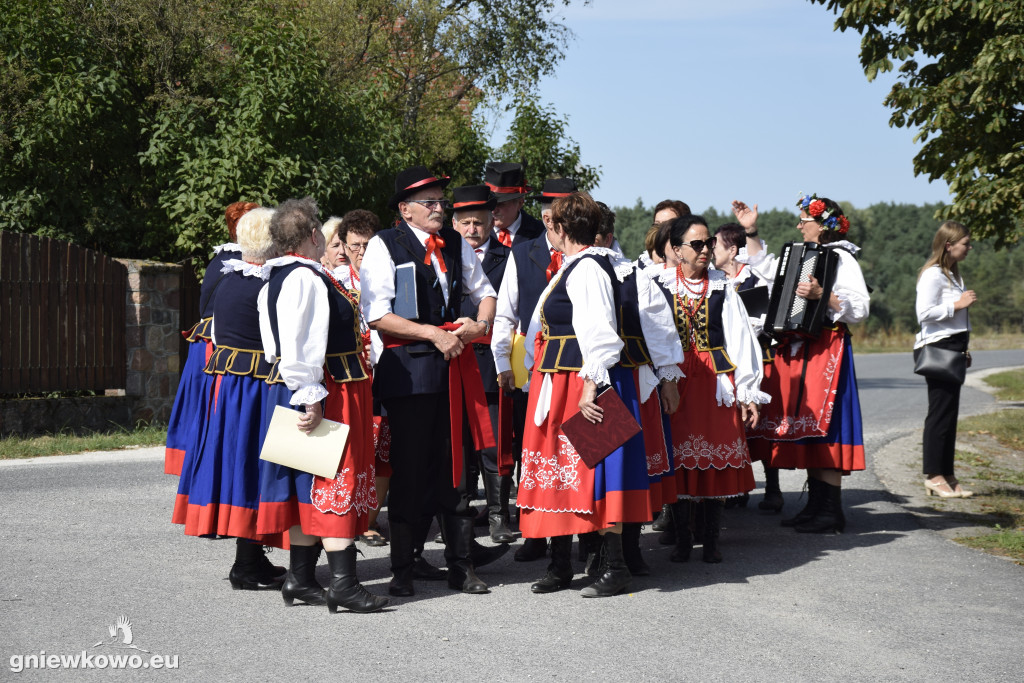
465,389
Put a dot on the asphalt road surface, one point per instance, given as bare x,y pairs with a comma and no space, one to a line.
86,539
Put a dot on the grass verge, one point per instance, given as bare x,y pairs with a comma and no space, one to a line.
1009,385
15,447
894,342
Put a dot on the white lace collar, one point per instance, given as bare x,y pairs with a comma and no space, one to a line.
282,261
845,246
717,280
623,266
227,246
243,267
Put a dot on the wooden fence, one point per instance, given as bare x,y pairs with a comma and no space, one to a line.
62,317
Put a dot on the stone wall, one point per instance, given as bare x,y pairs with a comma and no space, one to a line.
80,415
153,337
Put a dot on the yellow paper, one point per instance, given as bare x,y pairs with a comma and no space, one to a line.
518,360
318,452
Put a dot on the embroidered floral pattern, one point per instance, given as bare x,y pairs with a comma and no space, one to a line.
558,472
381,439
697,453
657,463
340,495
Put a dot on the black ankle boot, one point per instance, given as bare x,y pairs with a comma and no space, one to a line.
631,549
684,543
497,489
739,501
664,520
252,570
300,583
531,549
559,574
712,528
814,499
829,517
772,501
402,559
616,577
345,590
458,532
594,557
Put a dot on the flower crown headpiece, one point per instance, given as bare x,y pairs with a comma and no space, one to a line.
819,211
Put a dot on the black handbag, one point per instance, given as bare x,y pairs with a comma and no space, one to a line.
942,364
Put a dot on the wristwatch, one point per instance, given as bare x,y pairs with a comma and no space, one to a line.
487,325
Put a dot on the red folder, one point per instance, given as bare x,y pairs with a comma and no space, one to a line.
596,441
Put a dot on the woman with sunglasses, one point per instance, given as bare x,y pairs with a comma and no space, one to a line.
815,421
720,392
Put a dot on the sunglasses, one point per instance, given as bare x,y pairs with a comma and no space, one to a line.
428,203
698,245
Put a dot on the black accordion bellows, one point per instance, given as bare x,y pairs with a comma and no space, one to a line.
789,314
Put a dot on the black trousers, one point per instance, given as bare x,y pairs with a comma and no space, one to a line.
940,424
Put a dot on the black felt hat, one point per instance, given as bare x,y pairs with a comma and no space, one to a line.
506,180
473,197
411,181
555,188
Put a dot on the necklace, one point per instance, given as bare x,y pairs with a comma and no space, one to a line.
691,305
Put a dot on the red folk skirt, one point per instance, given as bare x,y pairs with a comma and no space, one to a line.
709,445
662,481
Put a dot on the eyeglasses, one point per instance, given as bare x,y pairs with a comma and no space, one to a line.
428,203
806,220
698,245
361,247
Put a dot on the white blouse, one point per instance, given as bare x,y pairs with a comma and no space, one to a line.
850,289
507,317
303,318
936,295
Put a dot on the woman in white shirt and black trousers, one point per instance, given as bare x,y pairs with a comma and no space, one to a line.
942,303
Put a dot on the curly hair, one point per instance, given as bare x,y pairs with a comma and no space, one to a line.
254,235
359,222
579,216
293,221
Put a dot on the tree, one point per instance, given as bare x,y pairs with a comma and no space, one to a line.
961,82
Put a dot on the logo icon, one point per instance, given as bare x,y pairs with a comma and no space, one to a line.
121,636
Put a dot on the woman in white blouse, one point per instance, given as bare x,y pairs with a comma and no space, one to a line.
814,419
942,303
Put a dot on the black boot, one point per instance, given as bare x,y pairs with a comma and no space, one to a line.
531,549
739,501
402,558
594,557
830,513
252,570
300,583
664,520
345,590
684,542
631,549
772,493
814,498
421,569
712,528
697,521
616,577
559,574
458,532
497,489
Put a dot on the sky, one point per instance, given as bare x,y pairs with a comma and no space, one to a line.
709,101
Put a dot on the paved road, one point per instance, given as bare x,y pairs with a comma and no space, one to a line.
86,539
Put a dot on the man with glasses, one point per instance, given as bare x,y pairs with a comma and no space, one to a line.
414,278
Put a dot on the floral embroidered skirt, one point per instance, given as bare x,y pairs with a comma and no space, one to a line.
817,423
330,508
709,446
661,479
188,415
558,494
218,492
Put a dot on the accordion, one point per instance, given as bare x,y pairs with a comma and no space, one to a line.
788,313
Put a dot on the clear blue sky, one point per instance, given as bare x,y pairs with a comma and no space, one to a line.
710,101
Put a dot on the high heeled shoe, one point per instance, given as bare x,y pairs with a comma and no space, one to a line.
933,488
954,484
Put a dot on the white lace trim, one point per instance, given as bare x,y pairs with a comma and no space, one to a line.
282,261
344,276
670,373
243,267
227,246
644,261
717,280
754,396
308,395
623,267
539,509
743,257
595,371
336,497
845,245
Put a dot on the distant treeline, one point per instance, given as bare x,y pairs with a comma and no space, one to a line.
895,240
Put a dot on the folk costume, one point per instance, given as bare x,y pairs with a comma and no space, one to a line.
413,382
578,325
188,413
310,331
507,181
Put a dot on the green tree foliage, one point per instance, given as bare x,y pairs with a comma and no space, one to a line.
128,125
895,240
961,82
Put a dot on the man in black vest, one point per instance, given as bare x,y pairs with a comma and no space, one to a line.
527,274
414,277
472,219
512,225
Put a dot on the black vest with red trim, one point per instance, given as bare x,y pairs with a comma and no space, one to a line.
419,368
344,342
634,350
709,332
561,349
239,344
